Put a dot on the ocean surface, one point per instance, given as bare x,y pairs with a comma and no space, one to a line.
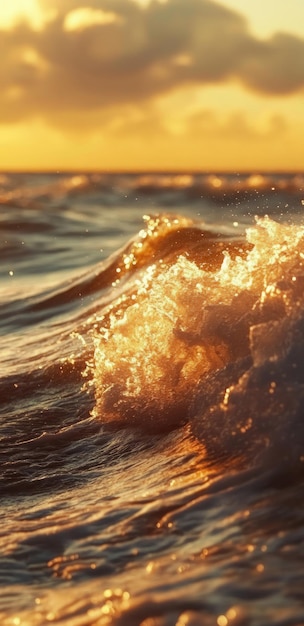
152,399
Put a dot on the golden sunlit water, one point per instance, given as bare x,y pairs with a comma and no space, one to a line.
183,318
151,393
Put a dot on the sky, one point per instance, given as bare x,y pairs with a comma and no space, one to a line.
152,85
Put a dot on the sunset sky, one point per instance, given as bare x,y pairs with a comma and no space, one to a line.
152,85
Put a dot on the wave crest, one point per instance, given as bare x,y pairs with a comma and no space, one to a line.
203,325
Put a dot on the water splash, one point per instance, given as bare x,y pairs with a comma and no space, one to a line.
197,327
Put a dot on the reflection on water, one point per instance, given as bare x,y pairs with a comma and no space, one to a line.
151,394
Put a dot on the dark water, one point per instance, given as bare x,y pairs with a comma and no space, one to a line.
151,400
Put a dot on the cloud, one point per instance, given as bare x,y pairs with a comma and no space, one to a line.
278,68
120,53
236,126
202,125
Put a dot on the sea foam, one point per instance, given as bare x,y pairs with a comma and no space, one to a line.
211,331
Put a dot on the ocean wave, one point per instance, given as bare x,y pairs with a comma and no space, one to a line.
209,331
181,326
273,190
151,399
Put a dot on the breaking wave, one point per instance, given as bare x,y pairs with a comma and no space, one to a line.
209,331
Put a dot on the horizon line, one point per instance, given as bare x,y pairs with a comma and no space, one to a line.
183,172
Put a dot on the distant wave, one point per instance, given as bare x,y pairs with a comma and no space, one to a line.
23,190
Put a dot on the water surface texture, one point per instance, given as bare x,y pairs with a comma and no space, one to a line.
151,400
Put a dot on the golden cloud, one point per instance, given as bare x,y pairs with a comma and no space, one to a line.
108,53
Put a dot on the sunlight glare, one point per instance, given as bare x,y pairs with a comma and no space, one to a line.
85,17
13,12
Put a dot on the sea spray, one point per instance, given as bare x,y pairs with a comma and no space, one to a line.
185,320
